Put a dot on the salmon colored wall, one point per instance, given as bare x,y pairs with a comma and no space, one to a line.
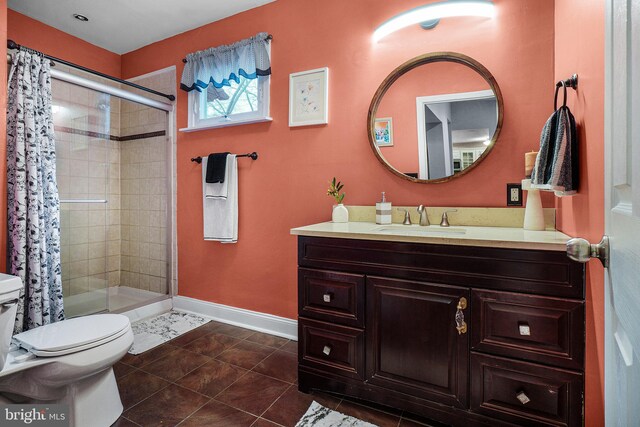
3,137
399,103
36,35
286,187
579,47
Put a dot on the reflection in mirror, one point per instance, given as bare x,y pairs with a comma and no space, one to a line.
436,120
457,130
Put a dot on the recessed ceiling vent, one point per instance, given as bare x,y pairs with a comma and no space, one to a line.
80,17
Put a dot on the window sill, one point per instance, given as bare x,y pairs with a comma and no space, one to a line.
227,124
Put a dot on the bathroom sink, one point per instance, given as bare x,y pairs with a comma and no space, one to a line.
417,230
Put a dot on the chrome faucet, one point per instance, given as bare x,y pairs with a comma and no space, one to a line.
424,218
445,218
407,218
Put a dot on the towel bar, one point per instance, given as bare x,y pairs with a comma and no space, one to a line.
253,156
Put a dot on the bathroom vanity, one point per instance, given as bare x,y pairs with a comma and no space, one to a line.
467,326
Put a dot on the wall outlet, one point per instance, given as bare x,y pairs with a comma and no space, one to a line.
514,194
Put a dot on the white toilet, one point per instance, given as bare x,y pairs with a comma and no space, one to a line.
69,362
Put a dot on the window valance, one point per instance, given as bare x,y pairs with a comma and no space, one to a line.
248,58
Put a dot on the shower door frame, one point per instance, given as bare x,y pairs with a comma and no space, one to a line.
170,208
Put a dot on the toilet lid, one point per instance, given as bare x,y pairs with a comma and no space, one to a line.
69,336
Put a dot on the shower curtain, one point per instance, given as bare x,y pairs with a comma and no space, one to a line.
33,203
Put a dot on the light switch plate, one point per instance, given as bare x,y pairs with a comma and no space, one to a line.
514,194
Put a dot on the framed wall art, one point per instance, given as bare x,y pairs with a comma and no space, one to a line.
309,97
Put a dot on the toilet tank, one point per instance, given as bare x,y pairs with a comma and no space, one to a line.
9,291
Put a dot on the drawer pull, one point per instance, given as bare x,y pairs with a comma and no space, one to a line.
461,326
523,398
327,297
524,329
326,350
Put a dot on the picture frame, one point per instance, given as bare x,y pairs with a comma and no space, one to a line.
309,97
384,132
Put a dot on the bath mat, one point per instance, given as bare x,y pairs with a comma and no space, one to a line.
319,416
150,333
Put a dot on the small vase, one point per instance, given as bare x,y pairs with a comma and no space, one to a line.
340,213
533,212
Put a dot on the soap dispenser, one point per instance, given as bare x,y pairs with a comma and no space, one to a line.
383,211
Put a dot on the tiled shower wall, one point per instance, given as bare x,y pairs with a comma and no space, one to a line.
114,150
145,150
144,199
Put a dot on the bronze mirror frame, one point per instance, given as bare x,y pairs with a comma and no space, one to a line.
410,65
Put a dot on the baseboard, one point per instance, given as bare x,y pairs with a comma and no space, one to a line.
261,322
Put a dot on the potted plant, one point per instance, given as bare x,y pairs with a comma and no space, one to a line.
340,212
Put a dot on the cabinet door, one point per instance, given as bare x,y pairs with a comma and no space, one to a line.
413,345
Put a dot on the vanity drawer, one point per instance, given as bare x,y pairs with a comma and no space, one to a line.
529,271
540,329
331,348
331,296
524,393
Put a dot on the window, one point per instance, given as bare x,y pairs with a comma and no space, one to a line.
240,103
240,95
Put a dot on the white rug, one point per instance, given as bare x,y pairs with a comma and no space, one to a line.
150,333
319,416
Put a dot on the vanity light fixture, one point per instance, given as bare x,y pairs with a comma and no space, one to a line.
430,14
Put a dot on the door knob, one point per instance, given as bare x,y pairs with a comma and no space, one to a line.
582,251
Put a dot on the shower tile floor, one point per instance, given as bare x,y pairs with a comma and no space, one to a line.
222,375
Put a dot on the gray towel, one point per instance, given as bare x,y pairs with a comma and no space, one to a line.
556,167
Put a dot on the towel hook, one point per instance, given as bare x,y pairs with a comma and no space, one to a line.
555,98
571,82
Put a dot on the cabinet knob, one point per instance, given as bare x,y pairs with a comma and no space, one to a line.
326,350
327,297
461,325
524,329
523,398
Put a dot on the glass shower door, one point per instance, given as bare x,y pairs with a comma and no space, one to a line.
89,235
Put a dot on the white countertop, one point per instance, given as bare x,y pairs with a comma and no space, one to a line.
496,237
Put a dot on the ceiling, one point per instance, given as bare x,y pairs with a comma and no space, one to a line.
125,25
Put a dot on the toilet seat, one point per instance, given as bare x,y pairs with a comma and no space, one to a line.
73,335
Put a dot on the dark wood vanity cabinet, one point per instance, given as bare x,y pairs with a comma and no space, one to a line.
462,335
412,343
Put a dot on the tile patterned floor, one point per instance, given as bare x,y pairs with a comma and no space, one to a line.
222,375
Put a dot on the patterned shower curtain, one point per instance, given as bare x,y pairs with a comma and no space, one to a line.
33,203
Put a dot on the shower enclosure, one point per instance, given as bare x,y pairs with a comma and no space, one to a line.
114,178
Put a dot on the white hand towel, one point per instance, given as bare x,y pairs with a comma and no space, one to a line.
216,190
221,214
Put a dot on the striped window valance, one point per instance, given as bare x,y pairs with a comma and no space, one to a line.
248,58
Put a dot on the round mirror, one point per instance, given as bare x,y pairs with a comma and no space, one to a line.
435,117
